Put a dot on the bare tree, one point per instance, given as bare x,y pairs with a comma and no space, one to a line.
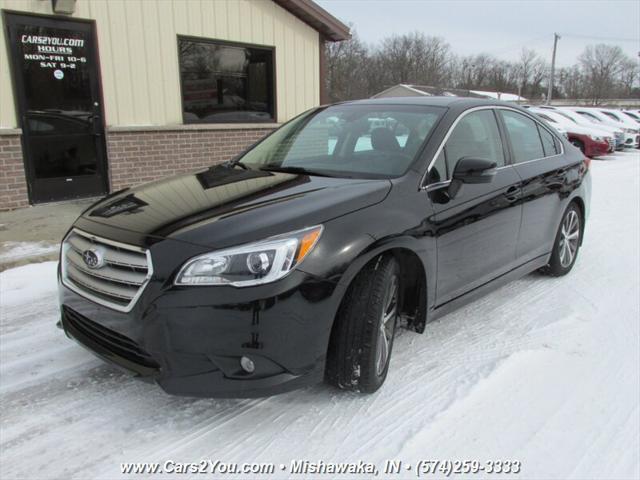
358,71
539,73
347,69
477,71
629,74
571,82
530,71
413,58
601,65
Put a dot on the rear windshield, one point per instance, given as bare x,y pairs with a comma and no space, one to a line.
359,141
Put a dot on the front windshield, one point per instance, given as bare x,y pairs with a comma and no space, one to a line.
612,116
567,117
359,141
547,118
591,116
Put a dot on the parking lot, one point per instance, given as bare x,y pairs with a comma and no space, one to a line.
543,371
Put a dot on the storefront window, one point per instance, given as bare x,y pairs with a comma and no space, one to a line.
225,83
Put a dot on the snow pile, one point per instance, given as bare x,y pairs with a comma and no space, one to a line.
544,371
12,251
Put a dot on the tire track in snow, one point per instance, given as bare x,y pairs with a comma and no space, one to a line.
441,387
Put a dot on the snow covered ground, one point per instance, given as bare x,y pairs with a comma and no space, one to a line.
545,371
13,251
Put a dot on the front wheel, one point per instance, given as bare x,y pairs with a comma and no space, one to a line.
567,243
362,338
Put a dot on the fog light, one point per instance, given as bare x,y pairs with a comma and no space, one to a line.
247,364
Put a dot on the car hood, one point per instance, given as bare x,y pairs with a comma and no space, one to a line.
600,124
623,121
601,127
608,123
223,206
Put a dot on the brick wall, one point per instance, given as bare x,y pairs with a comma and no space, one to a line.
13,185
140,156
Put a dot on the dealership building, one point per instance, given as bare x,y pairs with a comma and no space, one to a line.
97,95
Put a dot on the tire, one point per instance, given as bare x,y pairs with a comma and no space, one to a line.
358,355
567,243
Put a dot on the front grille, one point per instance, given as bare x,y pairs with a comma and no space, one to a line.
108,339
117,276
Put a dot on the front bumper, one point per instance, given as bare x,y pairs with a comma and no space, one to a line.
619,137
190,340
595,149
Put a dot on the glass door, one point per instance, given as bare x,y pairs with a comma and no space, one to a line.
58,94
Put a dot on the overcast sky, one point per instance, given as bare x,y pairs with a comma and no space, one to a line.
499,27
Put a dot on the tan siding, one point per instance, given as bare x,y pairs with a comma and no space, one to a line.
153,49
100,12
281,78
7,108
169,59
220,21
138,53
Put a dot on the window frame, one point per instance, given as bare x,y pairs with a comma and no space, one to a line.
506,142
506,154
215,41
553,140
539,125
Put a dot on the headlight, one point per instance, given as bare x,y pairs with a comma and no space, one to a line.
595,138
251,264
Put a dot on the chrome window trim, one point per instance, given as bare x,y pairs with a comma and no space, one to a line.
83,293
487,107
432,187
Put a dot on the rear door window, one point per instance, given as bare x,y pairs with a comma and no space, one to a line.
524,136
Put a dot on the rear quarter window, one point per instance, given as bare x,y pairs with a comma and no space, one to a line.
550,144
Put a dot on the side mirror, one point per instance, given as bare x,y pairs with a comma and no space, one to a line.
474,170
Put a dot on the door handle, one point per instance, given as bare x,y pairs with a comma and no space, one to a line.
513,194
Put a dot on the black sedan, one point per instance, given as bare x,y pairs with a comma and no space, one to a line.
295,262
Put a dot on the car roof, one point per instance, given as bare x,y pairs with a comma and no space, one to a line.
432,101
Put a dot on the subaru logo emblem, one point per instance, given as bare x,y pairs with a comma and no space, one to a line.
93,258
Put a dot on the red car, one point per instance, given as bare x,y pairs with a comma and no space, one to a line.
589,147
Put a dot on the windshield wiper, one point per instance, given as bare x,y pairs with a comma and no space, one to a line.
300,170
236,162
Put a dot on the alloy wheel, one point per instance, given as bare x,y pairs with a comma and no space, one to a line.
569,238
387,325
